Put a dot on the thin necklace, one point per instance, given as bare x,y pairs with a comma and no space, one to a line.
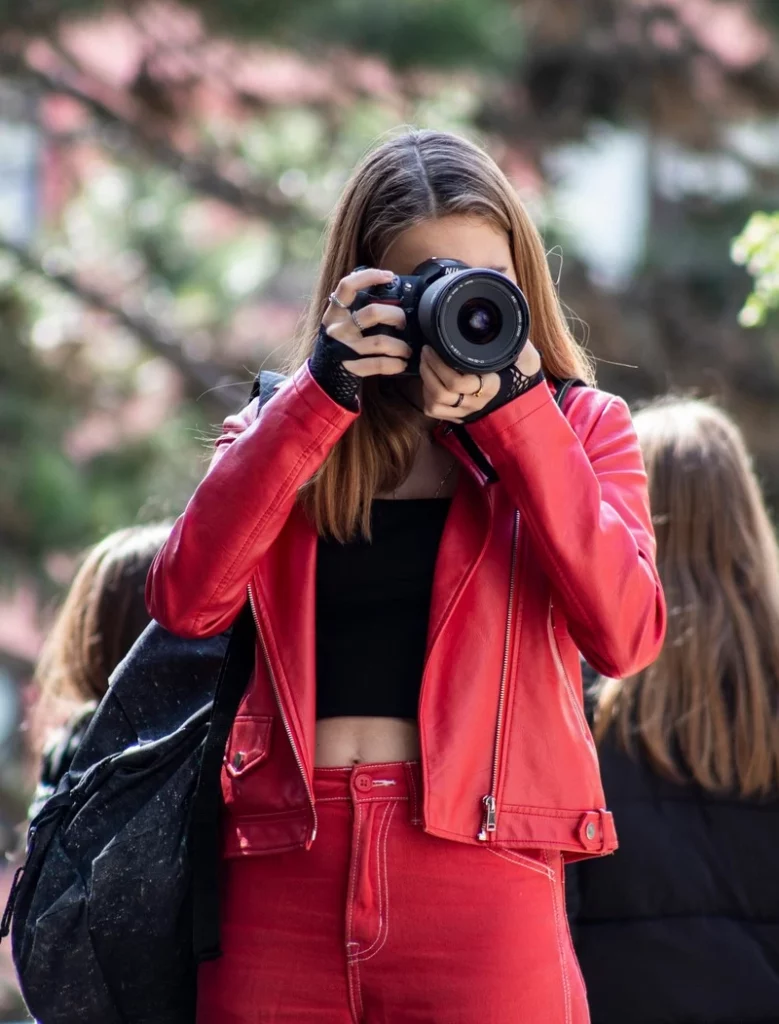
441,486
448,473
452,464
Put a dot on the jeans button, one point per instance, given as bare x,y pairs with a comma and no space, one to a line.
364,783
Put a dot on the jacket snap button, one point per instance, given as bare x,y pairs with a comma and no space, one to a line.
238,759
590,831
363,783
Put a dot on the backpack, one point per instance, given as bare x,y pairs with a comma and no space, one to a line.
117,900
58,754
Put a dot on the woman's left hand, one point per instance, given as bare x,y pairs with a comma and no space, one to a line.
442,386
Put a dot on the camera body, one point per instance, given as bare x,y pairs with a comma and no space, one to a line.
476,319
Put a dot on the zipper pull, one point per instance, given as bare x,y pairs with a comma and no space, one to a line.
490,815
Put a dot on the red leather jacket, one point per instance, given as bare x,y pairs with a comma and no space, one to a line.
555,558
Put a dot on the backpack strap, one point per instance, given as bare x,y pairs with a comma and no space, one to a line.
265,384
204,831
563,386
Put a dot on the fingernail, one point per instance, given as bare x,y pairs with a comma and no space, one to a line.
388,273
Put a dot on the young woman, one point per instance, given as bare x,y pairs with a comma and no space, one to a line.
102,616
410,764
683,924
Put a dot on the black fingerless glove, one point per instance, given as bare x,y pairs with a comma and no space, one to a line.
327,368
513,383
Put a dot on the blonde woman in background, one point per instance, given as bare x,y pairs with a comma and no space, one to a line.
682,925
103,614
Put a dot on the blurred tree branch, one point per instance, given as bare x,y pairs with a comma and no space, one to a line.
126,134
203,380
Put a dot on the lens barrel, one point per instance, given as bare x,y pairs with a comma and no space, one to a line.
478,320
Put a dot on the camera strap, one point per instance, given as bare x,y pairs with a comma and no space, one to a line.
477,456
563,386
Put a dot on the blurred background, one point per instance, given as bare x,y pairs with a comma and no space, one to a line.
166,170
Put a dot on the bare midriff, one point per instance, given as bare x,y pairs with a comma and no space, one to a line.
342,742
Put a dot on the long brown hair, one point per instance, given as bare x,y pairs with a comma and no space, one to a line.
414,177
101,617
709,706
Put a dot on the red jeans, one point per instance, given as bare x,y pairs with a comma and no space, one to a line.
380,923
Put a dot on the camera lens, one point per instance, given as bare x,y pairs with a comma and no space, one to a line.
479,321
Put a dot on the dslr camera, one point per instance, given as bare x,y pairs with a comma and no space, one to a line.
476,319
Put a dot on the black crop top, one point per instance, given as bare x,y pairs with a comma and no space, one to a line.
372,611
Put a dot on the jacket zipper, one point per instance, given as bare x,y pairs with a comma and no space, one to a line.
489,802
274,684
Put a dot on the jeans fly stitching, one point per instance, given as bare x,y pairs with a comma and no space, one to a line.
353,873
385,883
383,827
356,997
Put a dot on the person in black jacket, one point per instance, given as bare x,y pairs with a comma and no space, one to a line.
681,926
102,616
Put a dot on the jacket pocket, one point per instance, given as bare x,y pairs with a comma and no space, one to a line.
562,671
538,863
249,744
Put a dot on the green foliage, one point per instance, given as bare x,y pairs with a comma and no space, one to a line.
757,248
36,408
450,34
442,34
52,500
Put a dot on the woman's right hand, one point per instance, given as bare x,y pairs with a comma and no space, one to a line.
377,354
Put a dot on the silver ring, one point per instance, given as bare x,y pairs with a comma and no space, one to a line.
459,402
356,322
337,302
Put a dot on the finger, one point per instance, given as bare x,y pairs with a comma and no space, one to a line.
374,345
445,412
436,391
348,286
344,330
459,383
376,366
381,313
381,345
441,395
